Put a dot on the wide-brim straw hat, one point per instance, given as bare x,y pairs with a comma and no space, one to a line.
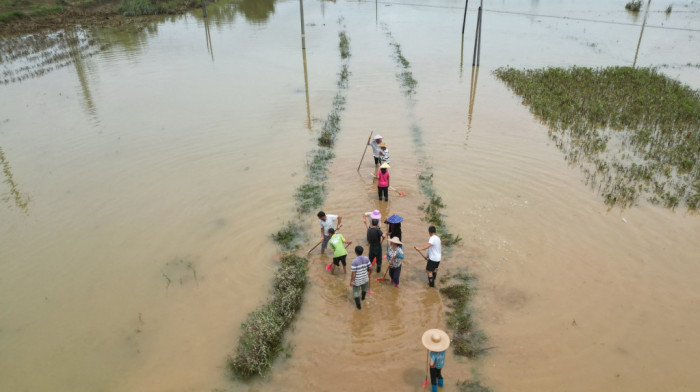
396,240
385,166
436,340
382,144
375,215
378,137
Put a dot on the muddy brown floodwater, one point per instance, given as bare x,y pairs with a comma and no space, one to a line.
155,163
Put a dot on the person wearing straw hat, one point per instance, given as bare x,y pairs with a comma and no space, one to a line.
338,243
383,181
383,153
375,149
395,255
437,342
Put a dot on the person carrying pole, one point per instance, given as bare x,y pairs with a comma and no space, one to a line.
375,149
327,222
434,255
436,341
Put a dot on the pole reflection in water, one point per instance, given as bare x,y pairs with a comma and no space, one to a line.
210,48
81,70
472,98
461,58
306,88
634,63
20,200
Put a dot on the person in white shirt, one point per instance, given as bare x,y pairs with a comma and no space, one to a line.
375,149
434,255
327,222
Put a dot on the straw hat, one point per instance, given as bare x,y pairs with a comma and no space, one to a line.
375,214
385,166
396,240
436,340
378,137
382,144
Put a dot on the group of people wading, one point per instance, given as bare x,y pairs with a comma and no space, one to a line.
435,340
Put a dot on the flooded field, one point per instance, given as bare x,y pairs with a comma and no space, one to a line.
144,171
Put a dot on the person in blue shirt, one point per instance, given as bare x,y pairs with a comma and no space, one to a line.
437,342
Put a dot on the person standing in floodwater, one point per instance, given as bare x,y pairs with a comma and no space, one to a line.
375,149
375,237
327,222
338,243
394,255
383,181
437,342
359,279
383,153
434,255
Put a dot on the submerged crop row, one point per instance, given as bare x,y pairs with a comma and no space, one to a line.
634,131
262,333
467,340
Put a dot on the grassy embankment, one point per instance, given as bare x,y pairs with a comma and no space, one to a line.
26,16
633,131
467,340
262,334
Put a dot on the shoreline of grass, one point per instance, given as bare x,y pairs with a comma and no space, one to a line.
633,131
262,334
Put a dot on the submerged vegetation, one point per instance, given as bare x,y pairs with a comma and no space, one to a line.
20,200
405,76
634,5
261,340
634,131
433,209
344,45
467,340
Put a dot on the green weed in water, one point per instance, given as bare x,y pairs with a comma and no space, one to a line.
634,132
466,340
290,236
261,339
634,5
344,45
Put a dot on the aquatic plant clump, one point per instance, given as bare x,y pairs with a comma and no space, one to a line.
634,5
344,45
290,236
634,131
433,209
261,339
467,340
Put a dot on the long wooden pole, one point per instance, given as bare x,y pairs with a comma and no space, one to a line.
464,21
303,35
365,152
476,36
634,64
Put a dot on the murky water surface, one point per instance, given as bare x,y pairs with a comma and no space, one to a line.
144,170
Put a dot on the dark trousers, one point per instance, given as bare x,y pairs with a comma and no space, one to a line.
383,190
394,274
376,251
435,373
377,161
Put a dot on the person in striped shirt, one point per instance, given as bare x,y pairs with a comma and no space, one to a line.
359,279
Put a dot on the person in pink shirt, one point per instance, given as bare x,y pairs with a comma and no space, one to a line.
383,181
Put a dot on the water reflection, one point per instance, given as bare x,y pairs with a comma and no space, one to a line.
20,200
306,88
472,98
81,70
210,48
256,11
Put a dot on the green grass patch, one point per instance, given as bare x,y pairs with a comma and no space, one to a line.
46,11
263,331
634,5
138,8
633,131
12,15
344,45
467,340
433,209
290,236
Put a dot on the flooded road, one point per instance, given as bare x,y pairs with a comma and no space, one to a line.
156,163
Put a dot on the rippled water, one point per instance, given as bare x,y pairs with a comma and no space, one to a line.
157,165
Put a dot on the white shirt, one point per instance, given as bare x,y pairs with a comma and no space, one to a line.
375,148
329,223
435,250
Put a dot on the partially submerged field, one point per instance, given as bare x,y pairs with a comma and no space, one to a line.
634,131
